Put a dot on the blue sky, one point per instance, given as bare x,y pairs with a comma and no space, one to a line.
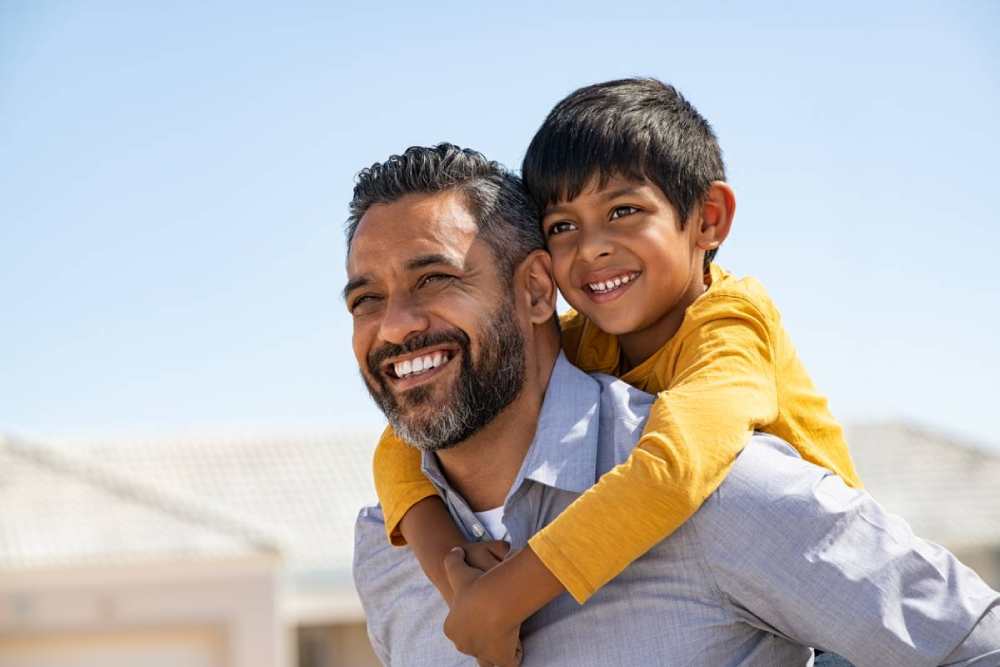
174,181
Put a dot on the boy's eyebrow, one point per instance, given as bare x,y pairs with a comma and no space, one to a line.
606,196
620,192
419,262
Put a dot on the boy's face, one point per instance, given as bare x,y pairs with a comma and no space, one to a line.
620,257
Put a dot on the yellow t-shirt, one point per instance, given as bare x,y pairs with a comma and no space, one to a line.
729,370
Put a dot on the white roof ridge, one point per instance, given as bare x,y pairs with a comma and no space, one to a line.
181,506
942,435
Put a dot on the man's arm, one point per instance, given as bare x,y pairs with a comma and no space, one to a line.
982,647
799,553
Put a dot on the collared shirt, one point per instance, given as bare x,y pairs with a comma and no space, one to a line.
782,556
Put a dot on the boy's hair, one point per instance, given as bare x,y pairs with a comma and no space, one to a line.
632,128
506,215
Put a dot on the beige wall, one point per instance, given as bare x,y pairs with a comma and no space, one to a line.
216,614
339,645
985,561
154,647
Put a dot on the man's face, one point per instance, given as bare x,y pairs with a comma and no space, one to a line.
435,333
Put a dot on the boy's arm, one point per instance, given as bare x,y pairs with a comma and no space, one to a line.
723,387
415,515
431,534
399,482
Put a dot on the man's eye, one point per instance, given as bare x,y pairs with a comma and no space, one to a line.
435,278
622,211
559,228
362,301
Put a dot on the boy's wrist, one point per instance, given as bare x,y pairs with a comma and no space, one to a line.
519,587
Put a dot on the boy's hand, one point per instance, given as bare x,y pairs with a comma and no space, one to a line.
485,555
470,624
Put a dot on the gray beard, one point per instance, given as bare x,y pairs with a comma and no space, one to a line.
482,391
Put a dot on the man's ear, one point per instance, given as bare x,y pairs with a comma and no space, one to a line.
717,210
534,283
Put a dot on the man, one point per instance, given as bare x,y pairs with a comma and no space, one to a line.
446,264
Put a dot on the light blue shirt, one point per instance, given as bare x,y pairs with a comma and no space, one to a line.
781,557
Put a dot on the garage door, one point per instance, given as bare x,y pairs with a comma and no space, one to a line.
190,647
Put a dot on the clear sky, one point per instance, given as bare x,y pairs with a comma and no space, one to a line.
174,181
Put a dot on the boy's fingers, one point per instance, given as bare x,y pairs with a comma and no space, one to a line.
455,569
498,549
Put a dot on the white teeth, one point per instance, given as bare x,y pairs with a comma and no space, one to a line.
608,285
420,364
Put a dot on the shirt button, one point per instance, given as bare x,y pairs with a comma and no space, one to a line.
478,530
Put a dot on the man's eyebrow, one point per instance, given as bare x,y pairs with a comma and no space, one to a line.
355,283
430,260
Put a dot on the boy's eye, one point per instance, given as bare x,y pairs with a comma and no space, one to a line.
622,211
560,227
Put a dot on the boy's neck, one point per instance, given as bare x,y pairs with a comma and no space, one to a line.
637,346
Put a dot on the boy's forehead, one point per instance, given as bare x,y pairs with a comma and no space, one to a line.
600,187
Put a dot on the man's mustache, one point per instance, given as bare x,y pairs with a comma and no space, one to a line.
378,356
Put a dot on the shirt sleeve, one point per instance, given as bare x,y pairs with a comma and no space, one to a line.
399,481
797,552
723,386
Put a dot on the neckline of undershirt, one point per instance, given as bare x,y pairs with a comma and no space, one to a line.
492,521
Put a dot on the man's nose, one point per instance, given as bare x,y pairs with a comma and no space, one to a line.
402,317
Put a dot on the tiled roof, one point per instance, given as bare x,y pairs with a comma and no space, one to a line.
57,509
947,489
306,491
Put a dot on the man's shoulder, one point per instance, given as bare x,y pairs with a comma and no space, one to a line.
771,497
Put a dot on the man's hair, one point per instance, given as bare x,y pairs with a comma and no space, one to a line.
632,128
507,217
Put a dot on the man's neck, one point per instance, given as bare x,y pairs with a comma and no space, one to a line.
483,467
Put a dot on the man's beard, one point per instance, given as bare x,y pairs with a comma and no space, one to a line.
481,391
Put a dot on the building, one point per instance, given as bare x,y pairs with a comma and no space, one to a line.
97,568
223,539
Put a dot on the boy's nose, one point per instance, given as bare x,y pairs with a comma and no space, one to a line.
594,245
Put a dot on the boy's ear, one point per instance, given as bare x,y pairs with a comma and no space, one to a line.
717,210
536,286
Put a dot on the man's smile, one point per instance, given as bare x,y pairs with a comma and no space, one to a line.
418,368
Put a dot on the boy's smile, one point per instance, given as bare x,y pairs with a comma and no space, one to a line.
621,258
604,286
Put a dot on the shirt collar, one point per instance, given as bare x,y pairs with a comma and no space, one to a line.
563,453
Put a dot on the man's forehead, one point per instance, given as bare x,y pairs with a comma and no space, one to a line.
391,236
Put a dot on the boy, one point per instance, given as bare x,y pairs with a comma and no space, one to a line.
631,184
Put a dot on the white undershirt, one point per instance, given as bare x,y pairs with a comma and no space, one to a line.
492,521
